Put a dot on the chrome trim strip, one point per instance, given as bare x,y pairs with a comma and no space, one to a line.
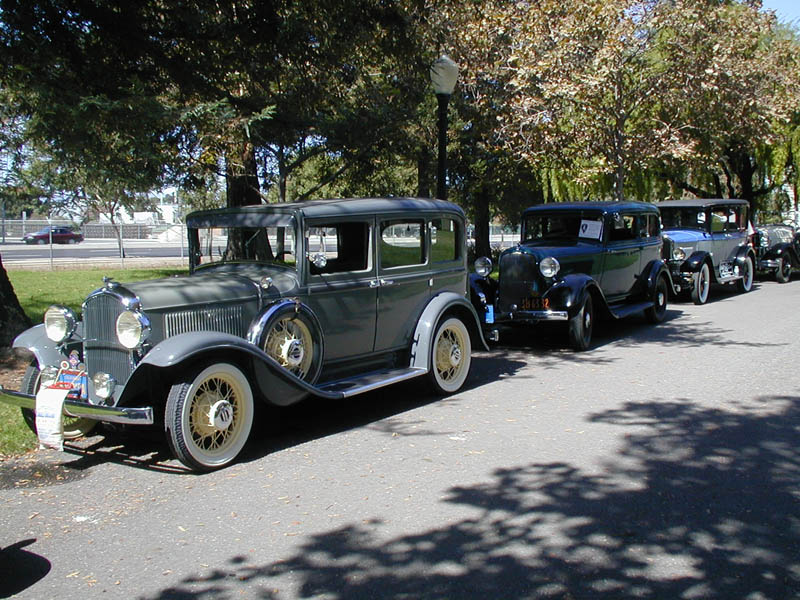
75,408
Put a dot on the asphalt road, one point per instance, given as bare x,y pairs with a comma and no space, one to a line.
662,463
18,253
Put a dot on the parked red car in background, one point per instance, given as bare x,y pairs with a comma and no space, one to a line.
60,235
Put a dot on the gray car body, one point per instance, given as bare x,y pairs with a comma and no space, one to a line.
724,251
377,324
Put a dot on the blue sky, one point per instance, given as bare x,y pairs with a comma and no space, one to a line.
787,10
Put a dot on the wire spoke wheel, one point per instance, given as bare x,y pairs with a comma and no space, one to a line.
450,356
290,343
209,416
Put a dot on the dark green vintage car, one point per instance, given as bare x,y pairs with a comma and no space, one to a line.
573,262
325,298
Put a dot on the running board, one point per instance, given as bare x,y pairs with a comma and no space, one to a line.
626,310
352,386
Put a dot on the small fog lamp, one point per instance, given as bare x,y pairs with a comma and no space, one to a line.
103,385
48,376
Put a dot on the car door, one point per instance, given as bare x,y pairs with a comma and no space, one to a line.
621,256
343,292
649,239
404,279
725,235
447,272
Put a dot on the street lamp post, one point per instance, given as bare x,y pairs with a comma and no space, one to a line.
444,73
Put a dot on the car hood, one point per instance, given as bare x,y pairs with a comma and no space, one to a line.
686,236
540,250
194,290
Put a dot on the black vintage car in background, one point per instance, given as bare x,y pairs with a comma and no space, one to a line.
576,261
325,298
706,241
777,251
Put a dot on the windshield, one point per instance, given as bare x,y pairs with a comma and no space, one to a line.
683,218
562,228
225,245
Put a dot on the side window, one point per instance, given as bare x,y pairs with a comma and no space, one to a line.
444,240
653,228
743,221
623,228
344,245
402,243
720,220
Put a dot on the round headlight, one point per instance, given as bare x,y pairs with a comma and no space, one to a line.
59,323
483,266
132,329
549,267
678,254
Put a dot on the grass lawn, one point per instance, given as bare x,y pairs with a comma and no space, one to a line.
36,290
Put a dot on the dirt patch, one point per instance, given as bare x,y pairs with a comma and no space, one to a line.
13,364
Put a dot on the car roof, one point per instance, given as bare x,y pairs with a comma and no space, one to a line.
700,202
340,207
603,207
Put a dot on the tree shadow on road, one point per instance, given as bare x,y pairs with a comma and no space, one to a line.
699,503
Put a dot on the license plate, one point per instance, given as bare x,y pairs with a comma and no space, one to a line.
535,304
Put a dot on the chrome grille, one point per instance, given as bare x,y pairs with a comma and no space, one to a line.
101,350
226,319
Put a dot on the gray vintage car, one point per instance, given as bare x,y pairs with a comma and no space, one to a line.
706,241
326,298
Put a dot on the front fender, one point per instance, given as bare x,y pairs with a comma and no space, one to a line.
276,384
426,325
651,273
570,291
482,294
743,253
46,351
777,251
694,262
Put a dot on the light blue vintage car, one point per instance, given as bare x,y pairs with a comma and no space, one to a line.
330,298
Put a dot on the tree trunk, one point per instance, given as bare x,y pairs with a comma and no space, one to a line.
482,241
241,179
424,173
242,189
13,319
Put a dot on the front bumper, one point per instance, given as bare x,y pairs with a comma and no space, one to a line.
529,316
75,408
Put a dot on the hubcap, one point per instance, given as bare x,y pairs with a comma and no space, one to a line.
221,415
292,353
455,356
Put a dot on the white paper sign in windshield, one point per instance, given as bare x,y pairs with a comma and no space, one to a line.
592,230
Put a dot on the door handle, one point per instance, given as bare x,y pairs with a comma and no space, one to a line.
374,283
387,282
